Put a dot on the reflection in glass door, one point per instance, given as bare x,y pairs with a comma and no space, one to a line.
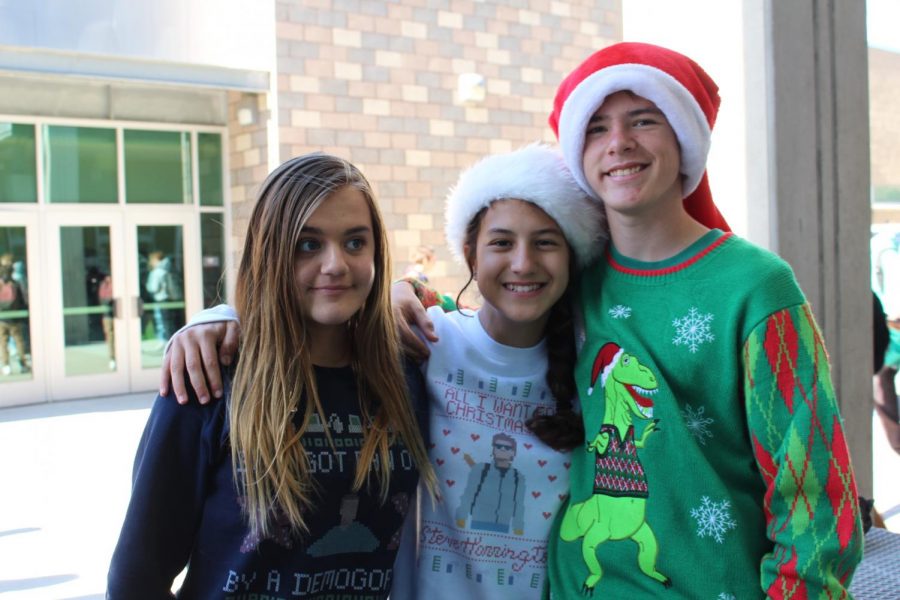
88,304
15,330
160,263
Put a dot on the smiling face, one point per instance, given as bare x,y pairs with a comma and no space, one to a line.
335,262
631,157
521,259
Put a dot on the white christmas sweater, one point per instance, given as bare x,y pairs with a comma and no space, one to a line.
500,487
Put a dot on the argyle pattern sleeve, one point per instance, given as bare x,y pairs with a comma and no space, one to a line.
810,504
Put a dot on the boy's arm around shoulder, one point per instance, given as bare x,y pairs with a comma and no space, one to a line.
810,504
209,338
409,300
169,483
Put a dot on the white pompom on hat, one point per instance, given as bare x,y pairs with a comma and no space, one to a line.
535,174
678,86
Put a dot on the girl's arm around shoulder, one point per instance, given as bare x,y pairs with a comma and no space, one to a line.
796,430
178,446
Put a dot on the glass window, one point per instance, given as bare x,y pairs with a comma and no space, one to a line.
209,160
15,338
887,193
212,242
80,164
157,167
18,172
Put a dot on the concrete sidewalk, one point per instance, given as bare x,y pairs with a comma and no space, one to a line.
66,474
66,479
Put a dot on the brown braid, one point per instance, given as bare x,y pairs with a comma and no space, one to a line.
564,430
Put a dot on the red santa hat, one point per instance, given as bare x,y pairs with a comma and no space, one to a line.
686,95
607,358
537,174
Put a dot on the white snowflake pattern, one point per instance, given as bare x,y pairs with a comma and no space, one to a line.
620,311
713,519
693,330
726,596
697,423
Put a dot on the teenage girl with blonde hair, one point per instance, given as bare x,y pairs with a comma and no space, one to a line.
299,482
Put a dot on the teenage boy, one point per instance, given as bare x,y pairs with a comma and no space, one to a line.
715,464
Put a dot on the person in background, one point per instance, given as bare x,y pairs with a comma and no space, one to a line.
12,300
886,402
422,261
163,286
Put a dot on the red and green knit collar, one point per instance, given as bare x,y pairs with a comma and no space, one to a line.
710,241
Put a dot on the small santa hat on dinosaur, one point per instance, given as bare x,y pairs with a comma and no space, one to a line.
686,95
606,360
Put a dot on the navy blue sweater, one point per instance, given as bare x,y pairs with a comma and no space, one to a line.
185,510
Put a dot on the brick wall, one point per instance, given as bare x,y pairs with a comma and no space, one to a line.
376,82
248,161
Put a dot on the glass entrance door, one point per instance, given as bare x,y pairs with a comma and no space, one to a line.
84,304
164,286
21,351
89,306
123,290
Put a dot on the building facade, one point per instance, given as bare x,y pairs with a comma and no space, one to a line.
133,139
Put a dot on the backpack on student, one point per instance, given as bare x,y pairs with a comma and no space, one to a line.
172,285
10,295
105,289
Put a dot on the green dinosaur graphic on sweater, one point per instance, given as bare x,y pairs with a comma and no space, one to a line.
617,508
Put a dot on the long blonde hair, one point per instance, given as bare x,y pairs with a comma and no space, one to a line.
274,376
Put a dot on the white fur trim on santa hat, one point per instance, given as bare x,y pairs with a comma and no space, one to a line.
536,174
667,93
610,366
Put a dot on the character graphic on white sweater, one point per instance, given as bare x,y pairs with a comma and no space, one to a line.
495,492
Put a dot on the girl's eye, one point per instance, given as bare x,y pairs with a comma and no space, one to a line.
644,122
500,243
356,244
308,245
547,243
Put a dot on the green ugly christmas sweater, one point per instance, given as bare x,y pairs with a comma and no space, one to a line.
714,465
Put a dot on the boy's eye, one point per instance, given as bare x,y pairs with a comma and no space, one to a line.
547,243
592,129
